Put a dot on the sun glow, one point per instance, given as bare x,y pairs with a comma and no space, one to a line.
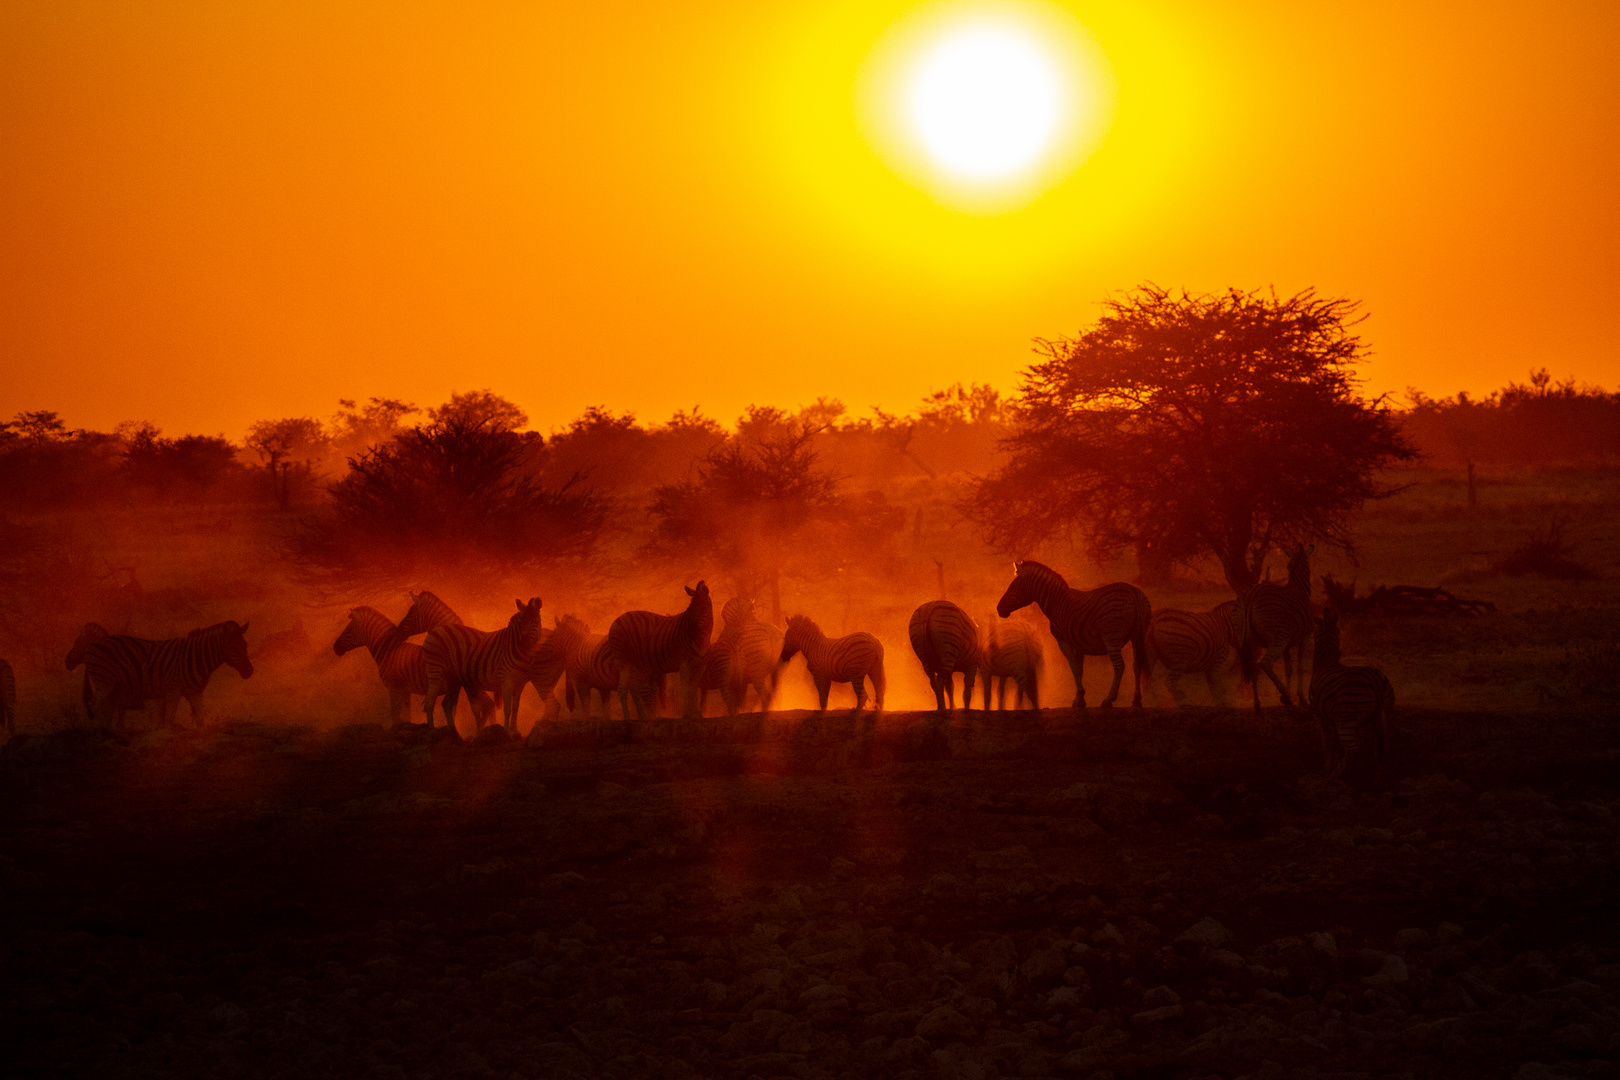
986,105
985,101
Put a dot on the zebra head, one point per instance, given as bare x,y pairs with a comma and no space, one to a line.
700,613
1031,581
1299,564
800,633
91,632
528,625
365,628
234,638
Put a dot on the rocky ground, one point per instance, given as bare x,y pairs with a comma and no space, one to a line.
1126,894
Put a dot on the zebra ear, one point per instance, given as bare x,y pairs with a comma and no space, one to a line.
245,626
691,591
520,604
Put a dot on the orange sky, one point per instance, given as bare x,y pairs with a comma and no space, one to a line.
212,213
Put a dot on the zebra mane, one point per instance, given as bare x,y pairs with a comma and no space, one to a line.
802,622
1042,573
201,630
739,610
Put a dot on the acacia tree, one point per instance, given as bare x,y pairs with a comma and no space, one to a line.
1184,425
286,446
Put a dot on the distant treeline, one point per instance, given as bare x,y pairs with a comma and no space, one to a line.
291,461
1539,423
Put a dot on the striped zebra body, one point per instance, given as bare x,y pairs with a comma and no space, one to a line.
461,658
1014,652
1085,622
1353,703
550,661
126,672
8,696
592,668
852,658
1273,620
946,640
399,662
1189,643
427,612
91,631
648,646
743,656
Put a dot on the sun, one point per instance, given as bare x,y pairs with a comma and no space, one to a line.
985,101
985,104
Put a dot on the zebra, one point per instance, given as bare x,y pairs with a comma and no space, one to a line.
743,656
90,631
852,658
399,662
1013,652
460,657
1186,642
1272,620
1085,622
1349,701
125,672
946,640
549,663
647,646
8,696
590,667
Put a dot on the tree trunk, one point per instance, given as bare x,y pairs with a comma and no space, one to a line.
1239,574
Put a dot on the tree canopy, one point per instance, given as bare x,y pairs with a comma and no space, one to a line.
451,493
1186,424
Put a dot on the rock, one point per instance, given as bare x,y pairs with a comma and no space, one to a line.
1158,1016
1109,937
1323,945
1064,997
1584,1039
1391,972
1076,977
1447,933
944,1025
1228,959
1046,966
1013,858
1159,997
1205,933
1412,938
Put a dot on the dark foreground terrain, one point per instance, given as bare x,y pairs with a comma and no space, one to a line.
1130,894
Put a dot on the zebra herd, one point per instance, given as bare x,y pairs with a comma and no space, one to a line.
641,649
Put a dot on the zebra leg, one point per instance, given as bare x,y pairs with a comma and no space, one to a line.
967,687
452,696
167,705
880,683
858,684
939,691
1077,665
823,688
1172,682
1031,691
195,701
1116,658
1267,660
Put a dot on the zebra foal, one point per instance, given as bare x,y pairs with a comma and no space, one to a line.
1085,622
125,672
946,640
852,658
648,646
1190,643
1353,703
1013,652
1272,620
